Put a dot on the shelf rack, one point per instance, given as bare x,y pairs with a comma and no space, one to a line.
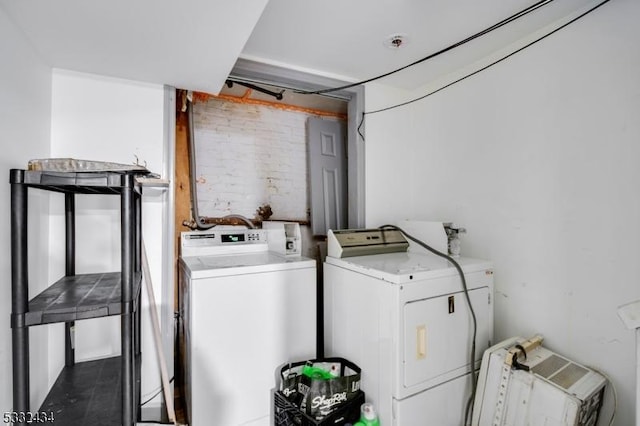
87,392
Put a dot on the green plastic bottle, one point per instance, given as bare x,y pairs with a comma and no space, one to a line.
368,416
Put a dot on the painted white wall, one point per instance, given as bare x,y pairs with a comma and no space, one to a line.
107,119
537,158
25,112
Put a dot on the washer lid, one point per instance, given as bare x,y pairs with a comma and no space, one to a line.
237,264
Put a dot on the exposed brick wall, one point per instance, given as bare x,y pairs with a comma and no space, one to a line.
250,155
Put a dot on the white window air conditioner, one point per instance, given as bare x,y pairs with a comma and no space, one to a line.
540,388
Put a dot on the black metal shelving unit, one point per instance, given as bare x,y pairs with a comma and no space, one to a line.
87,392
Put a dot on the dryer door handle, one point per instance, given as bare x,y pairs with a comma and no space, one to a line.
421,341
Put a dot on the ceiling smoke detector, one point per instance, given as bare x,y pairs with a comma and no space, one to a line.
396,41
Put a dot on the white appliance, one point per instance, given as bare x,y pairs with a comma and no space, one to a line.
402,317
284,237
541,389
630,314
246,311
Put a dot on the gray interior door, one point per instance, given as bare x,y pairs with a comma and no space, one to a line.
328,173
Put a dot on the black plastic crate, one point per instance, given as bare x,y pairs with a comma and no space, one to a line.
286,413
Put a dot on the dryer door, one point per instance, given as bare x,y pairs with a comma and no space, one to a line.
437,336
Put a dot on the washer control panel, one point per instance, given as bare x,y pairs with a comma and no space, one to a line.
221,241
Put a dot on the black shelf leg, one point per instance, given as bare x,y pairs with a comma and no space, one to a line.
128,251
69,343
20,340
19,294
138,307
70,270
137,353
126,321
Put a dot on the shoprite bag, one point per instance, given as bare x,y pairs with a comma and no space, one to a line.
318,387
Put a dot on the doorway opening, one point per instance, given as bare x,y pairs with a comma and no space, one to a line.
291,80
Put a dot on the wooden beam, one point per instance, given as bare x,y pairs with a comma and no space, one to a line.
181,178
245,99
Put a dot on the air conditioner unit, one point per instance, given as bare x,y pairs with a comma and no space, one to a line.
522,383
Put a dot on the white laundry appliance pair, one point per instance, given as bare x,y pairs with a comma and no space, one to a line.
245,311
401,314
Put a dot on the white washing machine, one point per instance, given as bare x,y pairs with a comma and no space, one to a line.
245,311
403,318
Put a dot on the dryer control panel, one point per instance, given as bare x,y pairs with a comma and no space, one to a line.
361,242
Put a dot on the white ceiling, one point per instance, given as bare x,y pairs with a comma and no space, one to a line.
347,38
193,44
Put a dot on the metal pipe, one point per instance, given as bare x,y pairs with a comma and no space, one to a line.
199,222
192,171
277,95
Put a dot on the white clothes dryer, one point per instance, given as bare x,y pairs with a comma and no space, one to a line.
403,318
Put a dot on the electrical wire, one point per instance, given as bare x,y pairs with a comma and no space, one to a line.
155,394
360,127
488,65
469,405
487,30
149,400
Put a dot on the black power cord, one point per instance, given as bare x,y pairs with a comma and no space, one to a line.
469,406
155,394
487,30
484,67
149,400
